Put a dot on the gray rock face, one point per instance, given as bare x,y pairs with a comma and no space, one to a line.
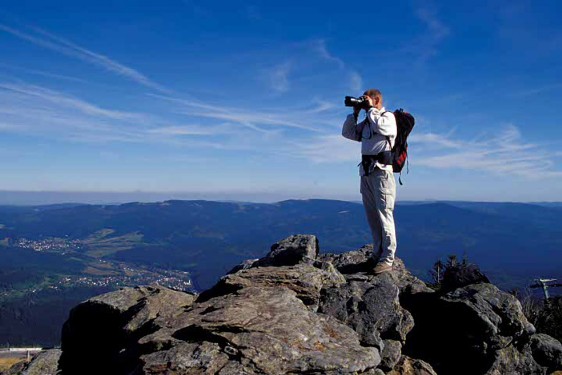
248,263
358,265
405,281
106,328
266,330
391,354
352,261
498,315
547,351
144,304
479,326
370,307
410,366
306,280
513,360
293,250
302,248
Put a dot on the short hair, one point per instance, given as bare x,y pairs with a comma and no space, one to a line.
373,93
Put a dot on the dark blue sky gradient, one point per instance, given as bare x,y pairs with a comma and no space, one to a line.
232,98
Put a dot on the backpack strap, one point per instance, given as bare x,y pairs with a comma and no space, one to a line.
387,137
363,127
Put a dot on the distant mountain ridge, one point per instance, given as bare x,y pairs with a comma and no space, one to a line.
511,238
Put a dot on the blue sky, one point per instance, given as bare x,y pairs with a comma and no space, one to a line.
242,99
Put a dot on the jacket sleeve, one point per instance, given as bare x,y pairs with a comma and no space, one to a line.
351,130
384,124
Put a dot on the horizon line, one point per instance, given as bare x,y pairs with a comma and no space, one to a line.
97,198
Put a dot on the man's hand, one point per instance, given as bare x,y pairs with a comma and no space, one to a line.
369,100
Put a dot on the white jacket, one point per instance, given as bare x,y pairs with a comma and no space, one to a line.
372,133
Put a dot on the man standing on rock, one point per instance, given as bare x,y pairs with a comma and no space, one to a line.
377,134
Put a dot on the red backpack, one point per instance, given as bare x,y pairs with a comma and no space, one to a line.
404,125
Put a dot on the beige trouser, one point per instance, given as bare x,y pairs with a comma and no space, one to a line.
378,191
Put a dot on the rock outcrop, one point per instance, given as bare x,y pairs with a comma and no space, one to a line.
261,330
104,332
300,311
478,326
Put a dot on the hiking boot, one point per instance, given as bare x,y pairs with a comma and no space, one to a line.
381,268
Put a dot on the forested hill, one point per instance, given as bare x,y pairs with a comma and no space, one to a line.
512,242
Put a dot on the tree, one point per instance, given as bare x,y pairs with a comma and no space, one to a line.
455,274
436,272
452,261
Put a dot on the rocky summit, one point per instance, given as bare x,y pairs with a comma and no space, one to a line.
299,311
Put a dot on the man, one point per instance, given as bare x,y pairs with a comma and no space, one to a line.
377,134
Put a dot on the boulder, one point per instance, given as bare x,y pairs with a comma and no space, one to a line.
371,307
547,351
470,325
248,263
306,280
358,265
262,330
410,366
513,360
355,261
391,354
497,316
295,249
300,248
107,327
405,281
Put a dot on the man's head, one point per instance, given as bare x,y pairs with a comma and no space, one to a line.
376,97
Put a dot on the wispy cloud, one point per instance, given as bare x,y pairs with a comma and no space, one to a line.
437,29
61,100
355,82
256,120
41,73
434,139
426,45
319,46
183,130
279,77
38,111
319,107
55,43
504,153
331,148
